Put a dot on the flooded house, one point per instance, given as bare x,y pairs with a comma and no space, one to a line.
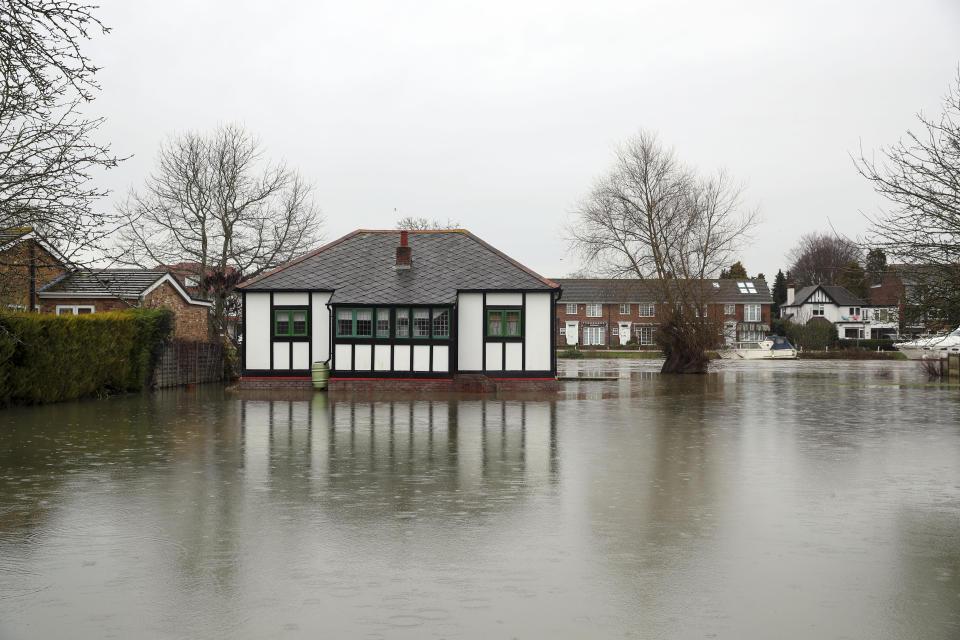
401,310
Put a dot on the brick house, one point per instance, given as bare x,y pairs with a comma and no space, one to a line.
103,290
26,264
604,311
896,286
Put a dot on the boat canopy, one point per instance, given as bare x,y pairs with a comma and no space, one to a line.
779,342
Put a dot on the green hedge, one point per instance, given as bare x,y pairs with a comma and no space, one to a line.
46,358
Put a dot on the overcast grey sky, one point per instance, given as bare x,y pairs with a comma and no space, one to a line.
501,114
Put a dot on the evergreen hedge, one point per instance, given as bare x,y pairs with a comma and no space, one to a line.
46,358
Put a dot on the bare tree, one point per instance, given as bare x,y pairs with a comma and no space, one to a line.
820,258
920,177
417,223
215,202
48,155
653,218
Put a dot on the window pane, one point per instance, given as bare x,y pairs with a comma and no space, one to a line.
421,323
364,322
299,323
495,323
403,323
571,309
512,323
82,310
441,322
383,323
283,323
345,322
625,309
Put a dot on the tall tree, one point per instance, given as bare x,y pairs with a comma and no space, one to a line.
920,178
779,291
820,258
876,265
737,270
215,202
48,150
652,217
854,279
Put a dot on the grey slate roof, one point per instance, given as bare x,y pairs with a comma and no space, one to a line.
613,290
840,295
120,283
359,269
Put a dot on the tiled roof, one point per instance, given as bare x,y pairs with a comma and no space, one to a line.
11,234
122,283
841,296
612,290
360,269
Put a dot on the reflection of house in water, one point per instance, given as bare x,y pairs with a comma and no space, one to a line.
402,456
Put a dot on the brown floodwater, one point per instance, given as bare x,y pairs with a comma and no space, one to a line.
763,500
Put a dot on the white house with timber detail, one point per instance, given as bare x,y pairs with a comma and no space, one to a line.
401,310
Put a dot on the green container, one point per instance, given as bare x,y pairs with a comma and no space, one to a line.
321,373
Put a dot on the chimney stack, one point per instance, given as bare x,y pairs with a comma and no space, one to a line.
790,293
403,253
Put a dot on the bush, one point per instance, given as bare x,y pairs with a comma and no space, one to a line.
873,344
46,358
570,353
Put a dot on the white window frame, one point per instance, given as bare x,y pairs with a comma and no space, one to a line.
817,311
590,334
646,310
729,309
73,309
571,309
752,313
563,330
597,307
615,330
624,309
644,335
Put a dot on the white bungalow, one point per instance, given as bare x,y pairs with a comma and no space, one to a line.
383,306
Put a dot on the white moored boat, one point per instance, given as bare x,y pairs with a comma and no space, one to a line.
771,348
934,348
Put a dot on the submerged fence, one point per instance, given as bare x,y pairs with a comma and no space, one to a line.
189,363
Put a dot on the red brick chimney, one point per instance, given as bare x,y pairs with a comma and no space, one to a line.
404,260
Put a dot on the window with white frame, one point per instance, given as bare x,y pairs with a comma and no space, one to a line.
818,310
854,311
594,310
625,309
746,287
645,309
572,309
593,335
615,330
73,309
563,330
751,313
644,335
729,309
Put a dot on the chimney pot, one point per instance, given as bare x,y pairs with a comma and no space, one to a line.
403,238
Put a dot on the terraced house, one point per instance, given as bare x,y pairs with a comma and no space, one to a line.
398,310
606,311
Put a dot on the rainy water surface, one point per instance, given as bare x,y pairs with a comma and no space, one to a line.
764,500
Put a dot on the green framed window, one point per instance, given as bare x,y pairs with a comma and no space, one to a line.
503,323
383,323
403,323
355,323
290,323
421,323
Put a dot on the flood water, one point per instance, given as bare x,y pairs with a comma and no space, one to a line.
764,500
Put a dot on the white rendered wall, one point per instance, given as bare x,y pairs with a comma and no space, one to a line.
282,298
421,358
539,328
505,299
401,358
301,355
470,331
281,355
381,357
257,327
494,356
441,358
363,357
514,356
342,359
320,329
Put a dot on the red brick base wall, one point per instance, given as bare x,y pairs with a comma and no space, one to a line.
460,384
